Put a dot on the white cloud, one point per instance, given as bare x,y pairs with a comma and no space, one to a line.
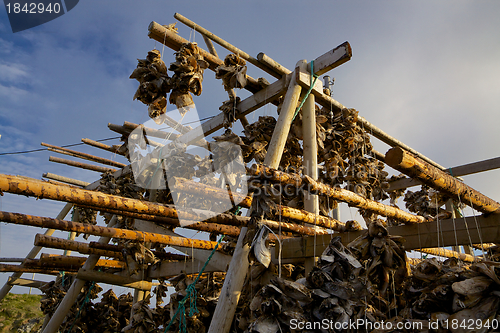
12,72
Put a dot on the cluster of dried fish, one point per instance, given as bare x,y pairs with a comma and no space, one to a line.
207,292
346,285
154,83
124,186
233,75
85,215
188,75
454,292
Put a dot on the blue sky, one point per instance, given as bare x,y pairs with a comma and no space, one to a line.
426,72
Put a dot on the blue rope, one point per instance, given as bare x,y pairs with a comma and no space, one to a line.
191,295
309,91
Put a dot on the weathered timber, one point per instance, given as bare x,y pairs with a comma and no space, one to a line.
171,39
353,199
65,179
414,167
100,145
270,63
123,281
25,282
45,222
169,269
226,45
164,135
280,133
85,156
437,251
66,244
80,165
68,262
462,170
417,236
189,186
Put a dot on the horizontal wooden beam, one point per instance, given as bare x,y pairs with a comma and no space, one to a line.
414,167
81,165
45,222
417,236
100,145
462,170
85,156
66,244
63,179
26,283
353,199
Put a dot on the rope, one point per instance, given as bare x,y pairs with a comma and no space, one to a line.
308,91
191,295
83,304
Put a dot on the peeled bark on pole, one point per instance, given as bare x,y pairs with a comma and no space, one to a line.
447,253
81,165
34,251
140,236
440,180
43,190
65,179
65,244
353,199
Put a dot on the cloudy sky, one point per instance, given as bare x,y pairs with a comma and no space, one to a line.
426,72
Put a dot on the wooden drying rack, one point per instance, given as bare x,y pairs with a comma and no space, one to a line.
419,232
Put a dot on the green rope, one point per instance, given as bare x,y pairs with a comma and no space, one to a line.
81,307
191,295
309,91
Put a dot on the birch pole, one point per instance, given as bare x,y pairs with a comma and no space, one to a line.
238,268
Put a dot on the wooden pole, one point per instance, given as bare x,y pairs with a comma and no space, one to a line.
65,244
100,145
462,170
85,156
89,275
65,179
66,263
80,165
349,197
34,251
310,161
238,268
19,269
441,252
140,236
439,180
226,45
42,190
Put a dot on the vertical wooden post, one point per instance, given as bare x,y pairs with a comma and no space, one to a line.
75,289
310,162
238,268
34,251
